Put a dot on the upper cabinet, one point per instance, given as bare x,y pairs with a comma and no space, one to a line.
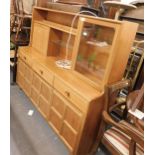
97,48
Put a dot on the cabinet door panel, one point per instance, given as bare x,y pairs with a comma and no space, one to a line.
28,73
55,119
44,106
36,82
34,96
20,79
58,103
69,135
21,67
40,38
27,87
73,117
46,91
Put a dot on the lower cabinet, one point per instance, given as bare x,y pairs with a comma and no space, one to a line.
41,95
65,119
24,76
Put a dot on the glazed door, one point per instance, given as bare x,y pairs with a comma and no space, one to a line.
93,47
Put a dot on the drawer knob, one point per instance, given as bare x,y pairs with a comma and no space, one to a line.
67,93
41,72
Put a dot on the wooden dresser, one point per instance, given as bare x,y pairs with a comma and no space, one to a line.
72,100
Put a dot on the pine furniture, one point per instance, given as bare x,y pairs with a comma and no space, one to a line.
72,100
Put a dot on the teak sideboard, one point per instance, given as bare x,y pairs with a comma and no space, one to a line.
72,100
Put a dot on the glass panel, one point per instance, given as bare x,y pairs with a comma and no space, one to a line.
94,49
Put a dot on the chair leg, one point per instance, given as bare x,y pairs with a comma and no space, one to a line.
12,25
15,66
132,148
19,27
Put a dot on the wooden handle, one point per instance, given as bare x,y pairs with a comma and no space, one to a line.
41,72
67,93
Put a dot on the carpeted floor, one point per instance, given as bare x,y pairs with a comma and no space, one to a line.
31,135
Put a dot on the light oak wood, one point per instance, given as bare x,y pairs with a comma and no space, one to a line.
40,37
70,102
55,120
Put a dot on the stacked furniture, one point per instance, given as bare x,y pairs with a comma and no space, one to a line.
72,100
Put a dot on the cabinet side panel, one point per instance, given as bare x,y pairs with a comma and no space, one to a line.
91,127
127,36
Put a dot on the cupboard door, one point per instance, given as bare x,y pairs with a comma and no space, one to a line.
28,79
21,67
20,79
94,50
35,89
40,38
58,106
20,73
28,74
36,82
69,135
45,98
58,103
55,120
73,117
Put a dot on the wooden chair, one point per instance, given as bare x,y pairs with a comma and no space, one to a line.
20,25
122,137
19,18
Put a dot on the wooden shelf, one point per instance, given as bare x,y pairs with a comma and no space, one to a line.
56,26
101,49
61,43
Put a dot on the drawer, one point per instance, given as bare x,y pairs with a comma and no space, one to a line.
44,73
73,117
26,58
44,107
55,119
68,135
58,103
70,94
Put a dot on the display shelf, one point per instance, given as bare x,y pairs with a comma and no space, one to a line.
57,26
61,43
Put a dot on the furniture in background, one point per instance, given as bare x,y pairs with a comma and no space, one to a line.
135,62
137,16
120,7
67,98
21,21
19,32
79,2
124,136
